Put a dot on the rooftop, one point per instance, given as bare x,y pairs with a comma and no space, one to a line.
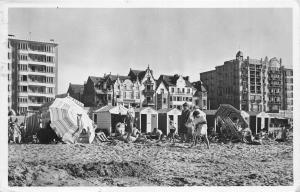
51,41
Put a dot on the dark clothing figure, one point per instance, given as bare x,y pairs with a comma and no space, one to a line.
184,118
47,135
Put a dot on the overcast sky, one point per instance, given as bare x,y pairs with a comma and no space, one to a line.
182,41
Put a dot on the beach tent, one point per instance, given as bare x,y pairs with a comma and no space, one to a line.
107,117
69,119
225,115
147,119
164,117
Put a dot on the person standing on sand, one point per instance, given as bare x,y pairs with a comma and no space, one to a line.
129,120
171,135
186,113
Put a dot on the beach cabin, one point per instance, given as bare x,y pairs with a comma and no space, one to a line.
259,121
147,119
108,116
211,120
164,117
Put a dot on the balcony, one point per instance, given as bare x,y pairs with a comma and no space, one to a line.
148,92
41,94
41,73
35,104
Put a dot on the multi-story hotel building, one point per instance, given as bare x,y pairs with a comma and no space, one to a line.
248,84
287,89
174,91
32,73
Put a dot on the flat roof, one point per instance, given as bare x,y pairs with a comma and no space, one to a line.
32,41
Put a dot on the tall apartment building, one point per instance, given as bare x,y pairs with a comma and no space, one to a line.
32,77
287,89
247,84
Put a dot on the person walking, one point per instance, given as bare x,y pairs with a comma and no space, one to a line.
186,113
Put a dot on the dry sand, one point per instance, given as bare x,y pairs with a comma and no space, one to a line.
158,164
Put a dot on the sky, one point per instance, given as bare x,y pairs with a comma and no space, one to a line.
94,41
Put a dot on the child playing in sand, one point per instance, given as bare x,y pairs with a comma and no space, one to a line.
157,133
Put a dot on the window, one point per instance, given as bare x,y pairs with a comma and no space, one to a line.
188,90
171,98
172,90
165,100
95,118
204,102
182,90
162,91
148,99
148,87
178,90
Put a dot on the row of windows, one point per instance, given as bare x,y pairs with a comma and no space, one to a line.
22,109
22,77
22,67
41,58
179,98
22,57
22,99
49,90
22,88
34,47
182,90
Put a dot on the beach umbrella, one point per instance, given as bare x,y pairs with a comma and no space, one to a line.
69,118
12,113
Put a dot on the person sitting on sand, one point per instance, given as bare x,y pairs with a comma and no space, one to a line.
120,129
135,132
157,134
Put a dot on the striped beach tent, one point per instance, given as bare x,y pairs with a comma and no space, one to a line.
69,118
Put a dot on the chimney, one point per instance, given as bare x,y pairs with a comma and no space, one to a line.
187,78
280,61
52,40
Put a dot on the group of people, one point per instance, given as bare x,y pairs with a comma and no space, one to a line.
194,127
16,131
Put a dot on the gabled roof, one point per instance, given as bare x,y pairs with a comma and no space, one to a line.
76,88
96,79
113,78
167,110
199,86
171,80
136,73
112,109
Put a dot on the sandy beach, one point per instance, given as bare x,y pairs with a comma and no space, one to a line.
151,164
